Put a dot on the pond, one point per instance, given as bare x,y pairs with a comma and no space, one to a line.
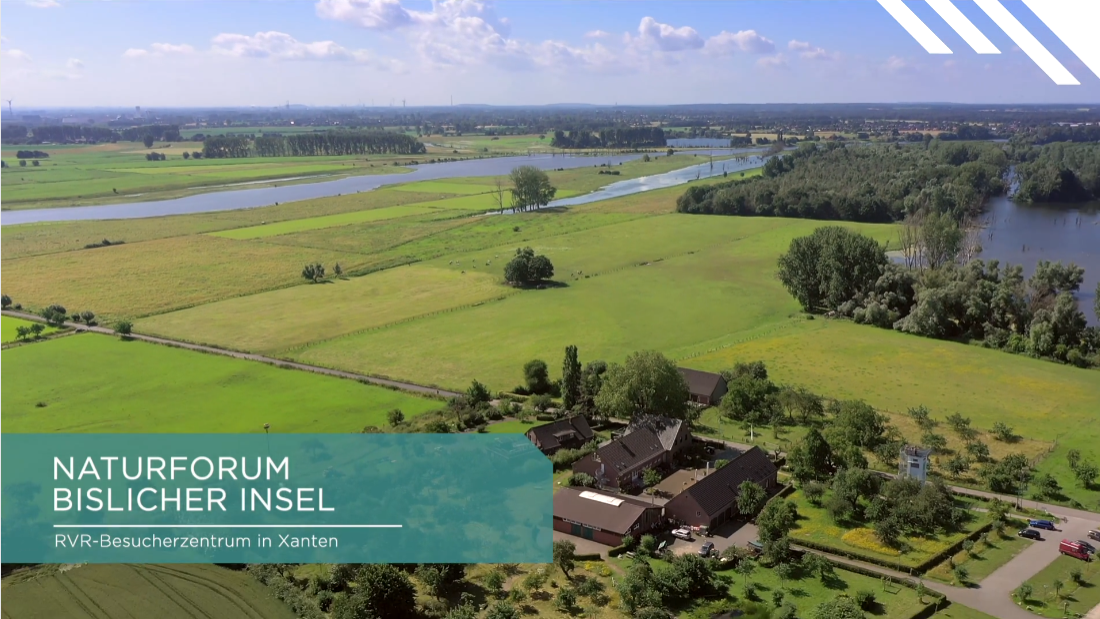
267,196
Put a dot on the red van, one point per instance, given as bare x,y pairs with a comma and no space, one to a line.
1074,549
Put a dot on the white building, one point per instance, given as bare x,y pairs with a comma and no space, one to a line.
914,462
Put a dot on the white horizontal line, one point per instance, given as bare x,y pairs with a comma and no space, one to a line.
227,526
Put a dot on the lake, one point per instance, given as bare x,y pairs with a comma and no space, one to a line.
267,196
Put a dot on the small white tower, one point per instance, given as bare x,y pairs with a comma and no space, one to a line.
913,462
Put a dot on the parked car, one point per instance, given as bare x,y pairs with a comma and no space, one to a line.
1094,535
1074,549
707,549
755,547
1042,524
683,533
1030,534
1089,548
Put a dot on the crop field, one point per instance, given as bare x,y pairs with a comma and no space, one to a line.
9,325
325,221
338,308
132,386
177,591
894,371
108,173
137,279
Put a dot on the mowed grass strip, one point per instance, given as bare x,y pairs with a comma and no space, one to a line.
139,279
446,186
894,371
275,320
9,326
177,591
99,383
327,221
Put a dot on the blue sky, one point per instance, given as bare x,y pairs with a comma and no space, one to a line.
333,52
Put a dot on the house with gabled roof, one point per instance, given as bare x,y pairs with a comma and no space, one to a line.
646,443
569,433
603,517
713,499
705,388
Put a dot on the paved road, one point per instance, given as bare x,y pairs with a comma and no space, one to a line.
385,382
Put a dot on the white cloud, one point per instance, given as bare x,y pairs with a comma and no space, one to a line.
134,52
668,38
597,34
778,61
169,48
74,64
896,64
43,4
809,52
373,14
281,46
727,43
17,54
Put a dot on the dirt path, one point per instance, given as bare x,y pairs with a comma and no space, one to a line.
384,382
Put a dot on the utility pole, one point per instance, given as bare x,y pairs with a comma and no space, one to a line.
9,107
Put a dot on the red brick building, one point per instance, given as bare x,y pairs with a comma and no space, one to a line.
647,443
705,388
603,517
713,500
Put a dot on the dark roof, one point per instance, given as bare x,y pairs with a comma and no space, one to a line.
715,492
665,428
571,505
628,450
548,434
701,383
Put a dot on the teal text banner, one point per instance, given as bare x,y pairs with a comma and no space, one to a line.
279,498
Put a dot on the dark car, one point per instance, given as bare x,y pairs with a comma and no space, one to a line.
707,549
1094,535
1042,524
1089,548
1030,534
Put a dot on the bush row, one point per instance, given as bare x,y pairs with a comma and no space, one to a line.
286,592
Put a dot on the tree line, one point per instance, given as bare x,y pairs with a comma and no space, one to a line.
614,137
861,183
1060,172
838,271
330,143
67,134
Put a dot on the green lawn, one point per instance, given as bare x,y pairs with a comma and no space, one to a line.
513,426
817,526
1076,598
987,558
326,221
9,325
958,611
97,383
446,186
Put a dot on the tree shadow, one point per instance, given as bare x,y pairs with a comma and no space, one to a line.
876,608
834,582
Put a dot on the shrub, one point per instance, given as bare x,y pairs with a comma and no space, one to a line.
865,598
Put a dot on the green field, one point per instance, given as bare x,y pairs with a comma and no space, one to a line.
449,186
988,556
113,591
108,173
98,383
512,427
1076,598
9,325
325,221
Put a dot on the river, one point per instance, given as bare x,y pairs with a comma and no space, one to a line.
267,196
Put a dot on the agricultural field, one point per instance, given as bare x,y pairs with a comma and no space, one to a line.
99,383
324,221
815,525
108,173
176,591
1077,597
9,326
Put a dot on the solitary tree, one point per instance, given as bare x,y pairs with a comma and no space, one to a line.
124,328
314,272
530,188
22,332
147,141
565,553
338,270
570,378
750,498
87,316
528,269
647,383
536,376
395,417
5,301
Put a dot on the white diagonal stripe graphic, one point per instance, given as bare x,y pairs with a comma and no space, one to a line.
970,33
1075,24
914,26
1027,42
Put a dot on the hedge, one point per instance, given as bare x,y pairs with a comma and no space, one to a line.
618,550
920,568
588,557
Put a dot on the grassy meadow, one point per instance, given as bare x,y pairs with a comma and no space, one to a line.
1078,598
984,559
108,173
9,326
97,383
177,591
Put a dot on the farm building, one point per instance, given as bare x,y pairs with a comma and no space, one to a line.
646,443
569,433
705,388
603,518
713,499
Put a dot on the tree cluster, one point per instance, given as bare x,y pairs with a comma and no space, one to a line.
872,184
32,154
528,269
1060,172
614,137
531,188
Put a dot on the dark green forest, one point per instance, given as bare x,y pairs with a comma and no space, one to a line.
861,183
330,143
1060,172
617,137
